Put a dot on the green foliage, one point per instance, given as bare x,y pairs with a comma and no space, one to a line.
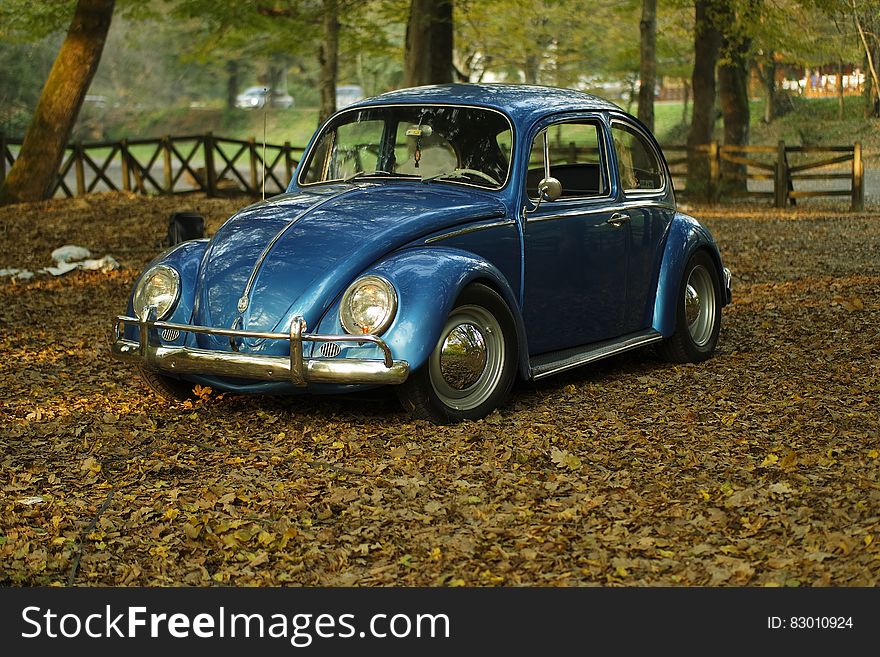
27,21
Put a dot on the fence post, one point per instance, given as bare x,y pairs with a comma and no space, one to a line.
166,152
288,161
2,157
858,179
79,167
126,172
780,181
714,188
210,171
252,148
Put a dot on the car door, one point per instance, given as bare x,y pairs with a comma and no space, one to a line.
575,258
649,208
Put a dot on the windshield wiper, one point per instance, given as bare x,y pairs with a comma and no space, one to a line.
378,173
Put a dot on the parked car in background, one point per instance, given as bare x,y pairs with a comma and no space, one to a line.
347,94
444,240
255,98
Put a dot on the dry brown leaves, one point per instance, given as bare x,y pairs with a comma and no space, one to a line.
759,467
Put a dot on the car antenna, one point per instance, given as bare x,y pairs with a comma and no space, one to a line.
265,113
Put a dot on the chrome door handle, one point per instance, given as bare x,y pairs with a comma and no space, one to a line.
618,219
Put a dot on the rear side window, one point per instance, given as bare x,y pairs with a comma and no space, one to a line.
640,170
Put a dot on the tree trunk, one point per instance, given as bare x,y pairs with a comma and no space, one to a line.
707,41
872,54
768,77
231,83
531,67
648,65
35,172
428,49
733,91
328,58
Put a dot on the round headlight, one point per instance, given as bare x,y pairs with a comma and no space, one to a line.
159,287
368,306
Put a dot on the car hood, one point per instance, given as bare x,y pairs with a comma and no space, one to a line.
295,253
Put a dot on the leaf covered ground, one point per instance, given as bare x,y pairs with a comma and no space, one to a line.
758,467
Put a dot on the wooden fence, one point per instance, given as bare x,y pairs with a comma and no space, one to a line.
170,165
781,172
214,165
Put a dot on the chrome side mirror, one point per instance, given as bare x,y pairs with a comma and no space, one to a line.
549,189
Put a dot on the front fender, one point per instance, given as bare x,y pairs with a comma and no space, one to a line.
428,282
186,258
685,236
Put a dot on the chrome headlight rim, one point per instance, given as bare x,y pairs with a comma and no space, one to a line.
140,308
345,316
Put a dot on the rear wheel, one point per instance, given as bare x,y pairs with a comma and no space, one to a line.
473,364
698,313
167,387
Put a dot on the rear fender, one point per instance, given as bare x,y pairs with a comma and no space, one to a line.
686,235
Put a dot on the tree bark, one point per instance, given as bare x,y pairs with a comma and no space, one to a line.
35,172
707,40
328,57
733,91
428,48
648,64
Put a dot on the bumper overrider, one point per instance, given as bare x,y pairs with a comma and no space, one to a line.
728,281
293,369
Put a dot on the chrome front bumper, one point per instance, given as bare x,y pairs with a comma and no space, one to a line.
293,368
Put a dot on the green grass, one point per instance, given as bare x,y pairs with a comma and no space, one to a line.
295,125
805,121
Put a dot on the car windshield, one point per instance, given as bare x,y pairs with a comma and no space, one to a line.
439,143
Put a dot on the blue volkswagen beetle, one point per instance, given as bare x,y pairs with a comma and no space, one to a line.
443,240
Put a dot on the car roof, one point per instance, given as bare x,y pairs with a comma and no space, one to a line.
522,102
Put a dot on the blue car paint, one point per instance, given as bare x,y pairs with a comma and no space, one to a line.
379,226
317,257
428,281
186,259
686,236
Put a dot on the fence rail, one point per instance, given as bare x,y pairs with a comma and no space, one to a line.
169,165
779,172
214,165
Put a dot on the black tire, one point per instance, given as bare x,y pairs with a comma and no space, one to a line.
475,373
168,388
697,323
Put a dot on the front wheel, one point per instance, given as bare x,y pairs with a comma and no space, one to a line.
697,313
166,387
472,367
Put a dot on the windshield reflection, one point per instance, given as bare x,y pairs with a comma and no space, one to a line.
436,143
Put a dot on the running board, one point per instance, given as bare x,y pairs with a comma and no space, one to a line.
566,359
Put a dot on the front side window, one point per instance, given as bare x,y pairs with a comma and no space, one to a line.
575,159
459,145
640,170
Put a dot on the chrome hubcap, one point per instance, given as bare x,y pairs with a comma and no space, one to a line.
467,362
463,356
699,305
